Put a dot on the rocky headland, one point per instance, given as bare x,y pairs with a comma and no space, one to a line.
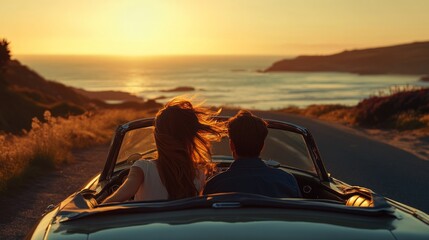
412,58
24,94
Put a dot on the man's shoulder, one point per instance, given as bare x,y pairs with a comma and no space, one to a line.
217,180
280,173
219,177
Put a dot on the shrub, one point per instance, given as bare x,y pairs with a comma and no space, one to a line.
408,121
383,111
50,141
320,110
4,53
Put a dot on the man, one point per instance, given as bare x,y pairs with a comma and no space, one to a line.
248,173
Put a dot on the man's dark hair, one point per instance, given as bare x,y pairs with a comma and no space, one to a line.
247,132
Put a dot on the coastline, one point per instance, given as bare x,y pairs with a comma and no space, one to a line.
216,79
83,118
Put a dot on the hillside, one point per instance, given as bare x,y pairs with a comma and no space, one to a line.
25,94
410,58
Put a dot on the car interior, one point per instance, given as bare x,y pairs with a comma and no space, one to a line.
283,149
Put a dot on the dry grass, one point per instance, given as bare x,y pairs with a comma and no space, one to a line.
50,141
330,112
400,108
392,90
399,116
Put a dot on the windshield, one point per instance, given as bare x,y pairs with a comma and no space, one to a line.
285,147
136,143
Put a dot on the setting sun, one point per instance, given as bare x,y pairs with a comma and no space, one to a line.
222,27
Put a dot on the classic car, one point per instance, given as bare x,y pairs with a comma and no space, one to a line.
329,208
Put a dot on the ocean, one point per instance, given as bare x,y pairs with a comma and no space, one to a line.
218,80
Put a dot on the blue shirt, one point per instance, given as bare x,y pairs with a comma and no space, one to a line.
252,175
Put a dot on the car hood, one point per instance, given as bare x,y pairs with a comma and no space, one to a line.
243,230
249,223
232,216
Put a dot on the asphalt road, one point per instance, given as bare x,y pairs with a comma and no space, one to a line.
359,160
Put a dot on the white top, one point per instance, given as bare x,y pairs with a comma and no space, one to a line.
152,187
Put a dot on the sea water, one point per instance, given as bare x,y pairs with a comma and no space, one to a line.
219,80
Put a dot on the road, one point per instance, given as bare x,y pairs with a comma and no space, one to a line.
359,160
24,205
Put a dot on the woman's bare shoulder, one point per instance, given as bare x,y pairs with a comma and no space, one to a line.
144,164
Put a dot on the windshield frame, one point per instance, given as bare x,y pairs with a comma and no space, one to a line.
274,124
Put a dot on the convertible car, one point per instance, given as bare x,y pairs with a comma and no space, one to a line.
329,208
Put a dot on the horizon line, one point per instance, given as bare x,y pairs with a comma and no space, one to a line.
150,55
214,54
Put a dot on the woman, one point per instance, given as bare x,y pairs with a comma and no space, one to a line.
182,135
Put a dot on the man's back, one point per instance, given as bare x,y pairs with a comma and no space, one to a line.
251,175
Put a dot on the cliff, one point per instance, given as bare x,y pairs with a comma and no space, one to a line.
410,58
25,94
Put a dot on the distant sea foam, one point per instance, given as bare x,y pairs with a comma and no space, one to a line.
220,80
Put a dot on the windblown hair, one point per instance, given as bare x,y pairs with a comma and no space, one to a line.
183,135
247,132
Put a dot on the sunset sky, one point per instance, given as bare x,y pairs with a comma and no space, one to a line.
188,27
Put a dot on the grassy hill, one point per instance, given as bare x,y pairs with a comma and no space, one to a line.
400,110
49,136
24,94
410,58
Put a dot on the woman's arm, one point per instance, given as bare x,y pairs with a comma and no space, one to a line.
129,188
201,180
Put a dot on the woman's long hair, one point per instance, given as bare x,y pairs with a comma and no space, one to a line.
183,134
